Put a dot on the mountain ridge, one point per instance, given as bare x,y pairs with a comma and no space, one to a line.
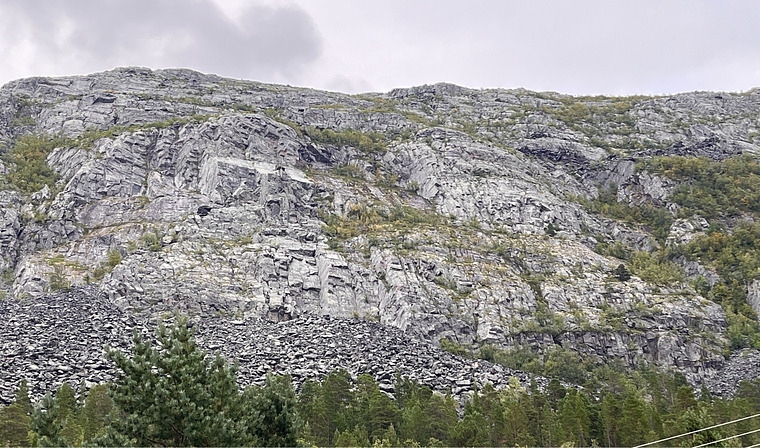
485,218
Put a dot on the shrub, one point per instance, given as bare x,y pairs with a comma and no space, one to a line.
621,273
367,142
654,268
711,188
58,279
114,258
27,160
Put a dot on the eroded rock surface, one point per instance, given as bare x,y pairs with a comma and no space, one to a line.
437,211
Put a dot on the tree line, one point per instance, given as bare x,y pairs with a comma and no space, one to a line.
168,392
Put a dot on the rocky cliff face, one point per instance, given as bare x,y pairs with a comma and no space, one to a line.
441,211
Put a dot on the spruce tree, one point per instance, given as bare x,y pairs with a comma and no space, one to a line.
14,426
383,414
68,414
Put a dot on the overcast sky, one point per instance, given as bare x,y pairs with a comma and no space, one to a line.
572,46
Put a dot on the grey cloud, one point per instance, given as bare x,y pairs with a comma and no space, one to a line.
580,46
341,83
267,41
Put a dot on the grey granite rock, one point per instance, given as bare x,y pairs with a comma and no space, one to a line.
453,215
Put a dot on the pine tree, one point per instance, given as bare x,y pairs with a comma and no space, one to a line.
414,423
516,415
383,414
470,431
21,397
330,409
573,415
633,426
14,426
174,395
441,411
275,404
610,418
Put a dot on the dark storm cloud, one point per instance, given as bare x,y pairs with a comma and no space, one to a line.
265,41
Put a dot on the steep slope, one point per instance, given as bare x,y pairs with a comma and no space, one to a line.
483,217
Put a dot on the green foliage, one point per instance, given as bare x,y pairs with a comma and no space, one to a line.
95,414
46,423
735,255
374,220
14,426
721,191
711,188
612,409
342,412
621,273
597,117
114,258
58,280
736,258
366,142
657,219
348,171
15,419
616,249
455,348
656,268
275,404
173,395
27,160
151,240
327,407
88,138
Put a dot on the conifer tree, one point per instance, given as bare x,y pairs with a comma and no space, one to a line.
633,426
470,431
383,414
330,409
21,397
573,414
46,423
97,406
174,395
275,404
15,419
68,414
610,418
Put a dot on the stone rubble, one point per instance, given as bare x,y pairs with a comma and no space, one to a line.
62,338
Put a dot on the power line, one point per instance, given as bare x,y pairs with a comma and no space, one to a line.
698,430
728,438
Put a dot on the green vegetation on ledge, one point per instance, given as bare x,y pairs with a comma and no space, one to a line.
657,219
29,170
372,220
366,142
710,188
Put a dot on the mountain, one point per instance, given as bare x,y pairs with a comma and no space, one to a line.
487,222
